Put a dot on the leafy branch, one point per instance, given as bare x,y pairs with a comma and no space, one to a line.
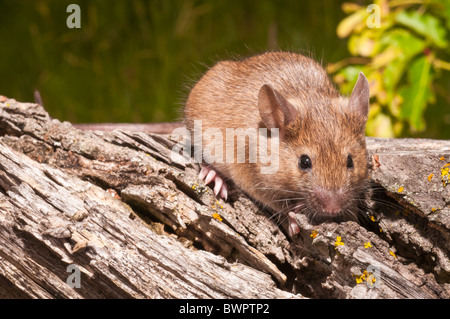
401,46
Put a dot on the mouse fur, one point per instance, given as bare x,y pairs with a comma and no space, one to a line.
294,94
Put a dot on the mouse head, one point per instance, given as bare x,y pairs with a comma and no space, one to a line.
323,157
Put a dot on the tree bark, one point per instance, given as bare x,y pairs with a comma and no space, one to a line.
138,223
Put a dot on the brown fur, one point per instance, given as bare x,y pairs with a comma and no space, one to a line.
327,129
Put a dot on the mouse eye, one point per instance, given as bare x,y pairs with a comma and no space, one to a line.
304,163
350,164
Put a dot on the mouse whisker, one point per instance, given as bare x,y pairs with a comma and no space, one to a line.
277,189
290,199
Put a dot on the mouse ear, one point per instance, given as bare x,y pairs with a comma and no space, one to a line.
359,99
275,110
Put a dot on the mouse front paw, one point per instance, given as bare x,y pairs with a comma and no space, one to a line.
208,175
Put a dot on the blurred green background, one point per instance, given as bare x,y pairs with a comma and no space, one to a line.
135,61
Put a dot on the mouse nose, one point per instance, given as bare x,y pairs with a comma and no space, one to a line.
330,201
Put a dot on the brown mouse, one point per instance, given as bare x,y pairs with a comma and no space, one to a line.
318,135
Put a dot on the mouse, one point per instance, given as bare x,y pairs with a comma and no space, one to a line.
283,104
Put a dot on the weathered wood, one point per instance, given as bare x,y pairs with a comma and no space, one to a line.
160,128
139,223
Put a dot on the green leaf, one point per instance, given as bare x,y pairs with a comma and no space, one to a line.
444,7
408,46
417,93
404,40
424,24
392,75
447,12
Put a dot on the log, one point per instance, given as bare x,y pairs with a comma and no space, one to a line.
93,214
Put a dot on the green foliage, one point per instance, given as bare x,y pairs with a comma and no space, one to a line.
135,61
403,59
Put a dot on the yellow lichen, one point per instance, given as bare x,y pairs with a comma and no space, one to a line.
218,204
367,245
445,174
430,177
392,254
400,189
217,216
367,277
371,279
314,234
338,242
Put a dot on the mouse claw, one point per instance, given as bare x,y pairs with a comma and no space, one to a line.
212,175
218,182
224,191
294,229
220,187
203,172
208,175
